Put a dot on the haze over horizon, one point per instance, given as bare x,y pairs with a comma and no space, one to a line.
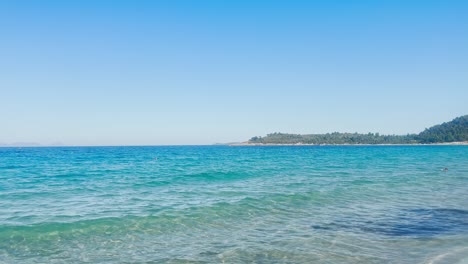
183,72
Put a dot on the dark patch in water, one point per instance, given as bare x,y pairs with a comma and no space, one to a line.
10,167
413,223
327,227
430,222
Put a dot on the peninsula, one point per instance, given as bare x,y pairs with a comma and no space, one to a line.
453,132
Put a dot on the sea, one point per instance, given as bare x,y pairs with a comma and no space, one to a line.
234,204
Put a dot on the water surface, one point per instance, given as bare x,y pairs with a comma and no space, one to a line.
215,204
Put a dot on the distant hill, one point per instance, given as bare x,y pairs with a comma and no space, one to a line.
20,144
453,131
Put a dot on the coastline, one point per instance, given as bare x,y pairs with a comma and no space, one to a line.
247,144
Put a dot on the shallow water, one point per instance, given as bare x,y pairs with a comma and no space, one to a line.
215,204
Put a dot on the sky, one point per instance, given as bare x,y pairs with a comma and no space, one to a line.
202,72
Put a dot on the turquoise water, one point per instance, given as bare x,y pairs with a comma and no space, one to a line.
217,204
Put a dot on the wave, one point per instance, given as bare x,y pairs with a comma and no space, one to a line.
169,218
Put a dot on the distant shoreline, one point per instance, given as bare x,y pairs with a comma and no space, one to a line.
246,144
243,144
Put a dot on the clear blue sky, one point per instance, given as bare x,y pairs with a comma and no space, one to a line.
199,72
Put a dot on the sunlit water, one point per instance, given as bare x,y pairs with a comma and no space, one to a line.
215,204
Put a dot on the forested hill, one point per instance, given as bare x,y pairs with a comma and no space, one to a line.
453,131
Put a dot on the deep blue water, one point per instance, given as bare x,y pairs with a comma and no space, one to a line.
215,204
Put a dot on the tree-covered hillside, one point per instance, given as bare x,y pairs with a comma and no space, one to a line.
453,131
